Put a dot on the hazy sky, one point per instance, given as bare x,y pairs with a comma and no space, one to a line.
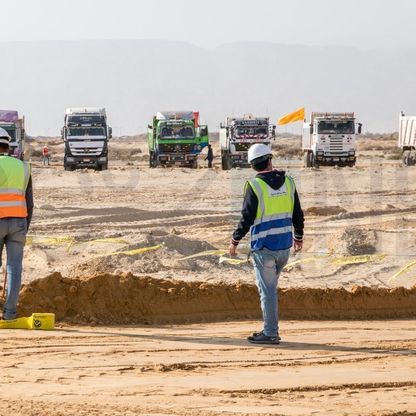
208,23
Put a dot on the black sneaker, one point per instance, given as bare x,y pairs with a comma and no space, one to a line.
260,338
255,334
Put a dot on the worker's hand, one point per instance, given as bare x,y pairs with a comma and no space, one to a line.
232,250
297,245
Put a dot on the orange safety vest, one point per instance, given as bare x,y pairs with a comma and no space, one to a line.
14,178
45,151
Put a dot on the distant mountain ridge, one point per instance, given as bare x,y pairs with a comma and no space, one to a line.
134,79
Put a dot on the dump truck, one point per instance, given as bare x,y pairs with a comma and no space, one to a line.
15,126
407,138
86,134
330,139
238,134
176,138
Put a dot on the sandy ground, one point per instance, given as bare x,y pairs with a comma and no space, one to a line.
368,210
320,368
124,246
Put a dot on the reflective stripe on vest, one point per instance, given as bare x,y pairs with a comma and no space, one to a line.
14,178
272,227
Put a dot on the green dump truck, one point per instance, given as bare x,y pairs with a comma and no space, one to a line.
176,138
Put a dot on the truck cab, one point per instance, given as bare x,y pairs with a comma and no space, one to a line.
176,138
15,126
238,134
330,139
86,134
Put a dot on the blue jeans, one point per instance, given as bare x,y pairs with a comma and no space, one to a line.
13,235
268,264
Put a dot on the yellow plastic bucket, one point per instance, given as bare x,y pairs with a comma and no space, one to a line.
44,321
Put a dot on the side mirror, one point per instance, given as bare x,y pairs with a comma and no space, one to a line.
274,132
204,131
150,127
360,128
110,132
62,133
311,128
221,126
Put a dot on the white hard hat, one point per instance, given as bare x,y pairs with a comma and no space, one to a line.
4,136
258,151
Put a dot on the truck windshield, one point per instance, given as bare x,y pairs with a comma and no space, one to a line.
251,130
177,132
86,131
345,127
86,119
12,134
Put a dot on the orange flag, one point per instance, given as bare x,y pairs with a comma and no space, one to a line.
298,115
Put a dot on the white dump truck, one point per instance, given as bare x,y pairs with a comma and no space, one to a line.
86,135
238,134
329,139
407,138
15,126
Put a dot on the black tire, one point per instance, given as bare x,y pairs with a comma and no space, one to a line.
406,157
152,160
412,158
68,168
307,158
224,161
314,162
194,164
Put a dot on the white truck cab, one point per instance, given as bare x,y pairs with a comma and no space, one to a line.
330,139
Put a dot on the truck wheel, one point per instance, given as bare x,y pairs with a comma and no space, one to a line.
224,162
194,164
406,157
314,162
152,160
412,158
307,159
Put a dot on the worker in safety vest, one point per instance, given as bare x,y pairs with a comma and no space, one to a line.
271,211
16,207
45,155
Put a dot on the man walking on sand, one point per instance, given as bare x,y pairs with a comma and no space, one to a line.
16,207
210,156
45,155
271,210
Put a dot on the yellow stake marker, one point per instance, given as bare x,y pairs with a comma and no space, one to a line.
45,321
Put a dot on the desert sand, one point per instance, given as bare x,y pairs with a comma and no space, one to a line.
320,368
131,261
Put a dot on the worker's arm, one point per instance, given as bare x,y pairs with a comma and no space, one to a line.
29,202
298,219
298,222
248,215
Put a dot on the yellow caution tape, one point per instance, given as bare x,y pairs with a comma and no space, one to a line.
107,240
305,260
71,241
133,252
403,270
234,261
44,321
50,240
340,261
203,254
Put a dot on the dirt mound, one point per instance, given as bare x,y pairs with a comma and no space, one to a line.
354,241
127,299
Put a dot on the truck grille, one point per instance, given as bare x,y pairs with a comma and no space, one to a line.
176,148
242,147
336,144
